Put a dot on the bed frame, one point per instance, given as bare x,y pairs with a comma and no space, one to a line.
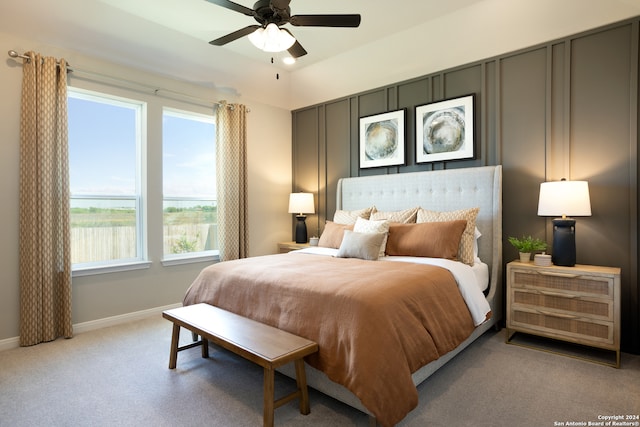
442,190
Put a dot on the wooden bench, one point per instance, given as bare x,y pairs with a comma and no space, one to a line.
257,342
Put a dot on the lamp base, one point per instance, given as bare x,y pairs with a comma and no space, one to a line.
564,242
301,229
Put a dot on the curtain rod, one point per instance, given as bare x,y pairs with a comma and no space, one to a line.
102,78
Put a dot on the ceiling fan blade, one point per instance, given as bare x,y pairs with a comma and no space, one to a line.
233,6
352,20
234,36
297,50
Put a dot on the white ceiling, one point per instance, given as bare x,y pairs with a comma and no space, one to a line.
395,41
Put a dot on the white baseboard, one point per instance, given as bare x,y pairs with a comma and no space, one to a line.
122,318
92,325
9,343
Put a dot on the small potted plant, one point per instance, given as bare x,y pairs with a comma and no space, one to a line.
526,245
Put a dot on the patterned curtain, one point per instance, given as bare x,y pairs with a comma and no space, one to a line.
231,170
45,260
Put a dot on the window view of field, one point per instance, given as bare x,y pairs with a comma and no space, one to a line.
107,151
189,229
188,182
107,234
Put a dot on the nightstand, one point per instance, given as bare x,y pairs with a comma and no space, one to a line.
578,304
284,247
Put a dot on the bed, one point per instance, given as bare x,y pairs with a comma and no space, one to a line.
377,337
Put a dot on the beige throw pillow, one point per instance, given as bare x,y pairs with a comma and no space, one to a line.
465,251
406,216
350,217
367,226
360,245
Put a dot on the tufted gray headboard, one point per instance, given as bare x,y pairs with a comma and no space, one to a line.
442,190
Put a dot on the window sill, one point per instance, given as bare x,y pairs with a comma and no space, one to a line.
190,259
104,269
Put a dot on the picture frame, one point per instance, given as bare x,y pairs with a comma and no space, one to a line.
382,139
445,130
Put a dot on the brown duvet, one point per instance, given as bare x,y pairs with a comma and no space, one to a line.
375,322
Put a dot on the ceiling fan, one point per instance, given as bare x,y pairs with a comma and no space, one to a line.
278,12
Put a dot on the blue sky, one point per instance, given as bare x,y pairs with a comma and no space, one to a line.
188,157
101,156
102,152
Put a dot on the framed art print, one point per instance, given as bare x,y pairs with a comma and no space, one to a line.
382,139
444,130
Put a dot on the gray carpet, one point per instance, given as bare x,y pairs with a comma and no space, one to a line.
118,376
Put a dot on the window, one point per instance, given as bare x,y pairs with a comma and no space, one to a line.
189,184
105,145
119,221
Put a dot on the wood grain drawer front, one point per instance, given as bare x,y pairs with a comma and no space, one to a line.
586,285
595,308
573,328
579,304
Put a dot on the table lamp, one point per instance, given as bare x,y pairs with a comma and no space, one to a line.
564,198
300,204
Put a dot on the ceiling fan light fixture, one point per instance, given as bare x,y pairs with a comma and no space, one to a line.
271,39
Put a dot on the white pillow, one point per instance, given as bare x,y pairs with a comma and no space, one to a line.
360,245
367,226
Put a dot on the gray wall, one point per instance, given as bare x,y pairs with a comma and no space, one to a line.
568,108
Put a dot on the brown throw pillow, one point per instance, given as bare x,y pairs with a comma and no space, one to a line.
465,252
429,239
332,234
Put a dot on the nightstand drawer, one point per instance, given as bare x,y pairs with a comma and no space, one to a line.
563,303
560,282
566,326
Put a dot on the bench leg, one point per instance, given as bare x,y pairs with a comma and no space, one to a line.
268,397
173,354
205,348
301,380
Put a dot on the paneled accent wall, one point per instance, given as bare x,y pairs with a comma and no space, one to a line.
565,109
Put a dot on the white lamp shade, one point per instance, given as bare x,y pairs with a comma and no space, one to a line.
564,198
272,39
301,203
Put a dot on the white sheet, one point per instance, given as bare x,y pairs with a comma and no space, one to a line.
481,270
470,279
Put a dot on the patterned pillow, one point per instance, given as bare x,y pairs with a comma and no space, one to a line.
366,226
350,217
360,245
465,253
406,216
332,234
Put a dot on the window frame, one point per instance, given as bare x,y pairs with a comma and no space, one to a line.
141,261
150,171
186,257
